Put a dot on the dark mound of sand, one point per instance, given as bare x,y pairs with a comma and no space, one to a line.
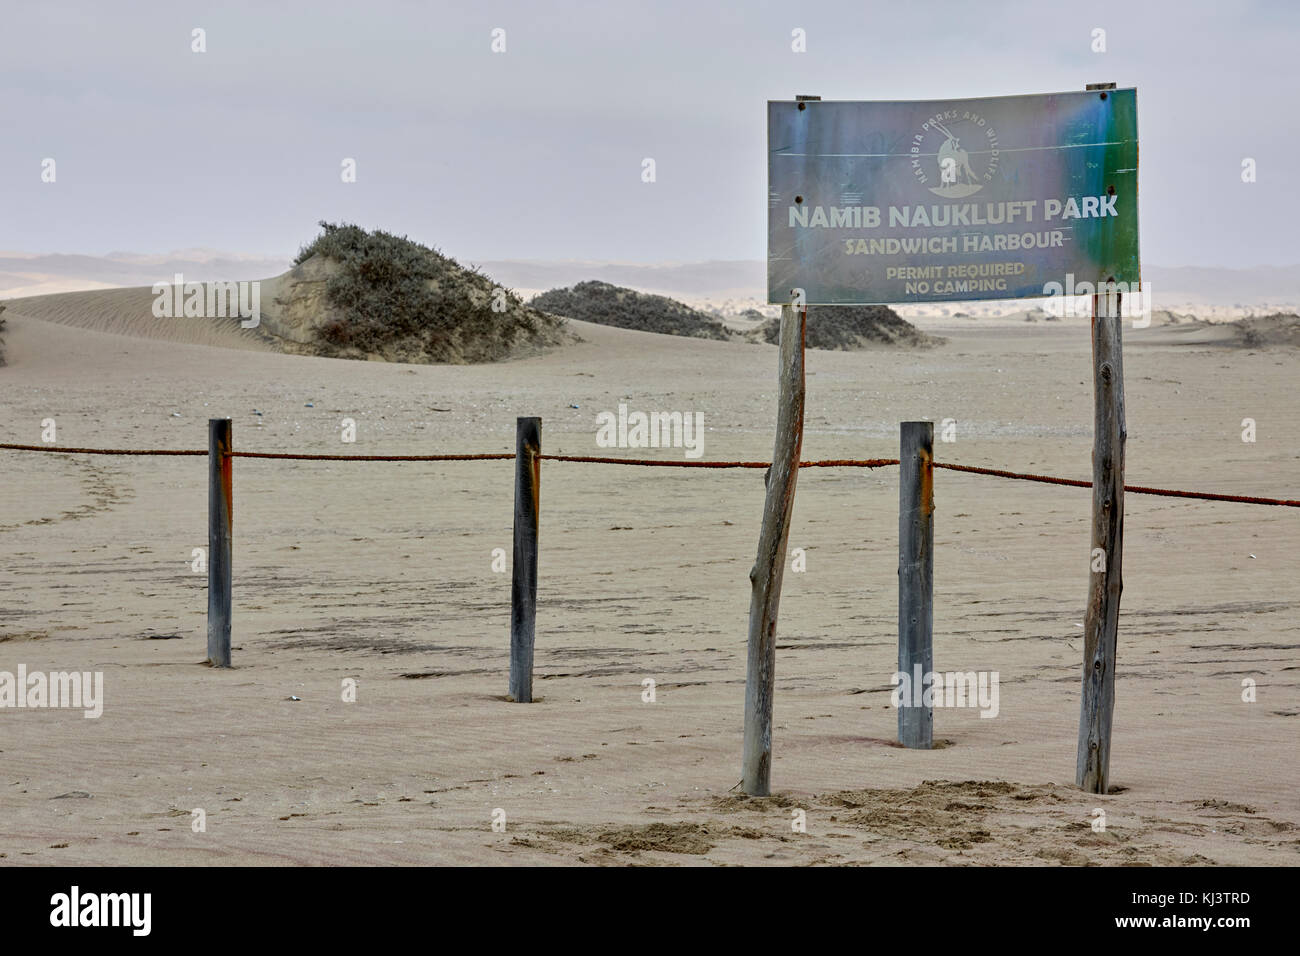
358,294
607,304
849,327
1280,328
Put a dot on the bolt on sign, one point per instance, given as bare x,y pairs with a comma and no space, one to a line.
936,200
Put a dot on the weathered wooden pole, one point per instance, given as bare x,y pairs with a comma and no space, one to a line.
523,589
765,577
1105,581
220,518
915,580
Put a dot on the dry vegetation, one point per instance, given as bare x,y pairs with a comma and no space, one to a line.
390,297
842,328
607,304
849,327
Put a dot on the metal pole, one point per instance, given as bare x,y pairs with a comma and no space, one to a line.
523,589
220,518
916,579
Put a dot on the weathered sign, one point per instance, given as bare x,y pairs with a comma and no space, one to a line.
991,198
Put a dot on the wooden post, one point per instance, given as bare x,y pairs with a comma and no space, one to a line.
220,519
523,590
1105,582
916,579
765,577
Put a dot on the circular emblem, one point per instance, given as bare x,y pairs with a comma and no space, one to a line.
955,154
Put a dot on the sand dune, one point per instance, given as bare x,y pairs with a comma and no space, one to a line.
382,573
130,312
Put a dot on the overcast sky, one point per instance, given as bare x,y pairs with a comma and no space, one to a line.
536,152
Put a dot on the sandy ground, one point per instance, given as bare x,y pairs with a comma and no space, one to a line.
382,573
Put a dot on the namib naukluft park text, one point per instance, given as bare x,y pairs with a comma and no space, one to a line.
1009,212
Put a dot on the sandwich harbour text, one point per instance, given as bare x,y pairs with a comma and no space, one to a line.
654,430
55,689
208,300
134,910
951,689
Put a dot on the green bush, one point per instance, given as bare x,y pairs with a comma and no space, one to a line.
608,304
848,327
393,293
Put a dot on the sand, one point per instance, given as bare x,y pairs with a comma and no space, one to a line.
382,573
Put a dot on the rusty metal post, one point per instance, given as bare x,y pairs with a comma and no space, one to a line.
523,589
915,581
769,566
220,521
1105,580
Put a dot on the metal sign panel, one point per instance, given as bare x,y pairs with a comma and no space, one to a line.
938,200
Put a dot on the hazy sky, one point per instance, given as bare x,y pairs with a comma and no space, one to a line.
536,152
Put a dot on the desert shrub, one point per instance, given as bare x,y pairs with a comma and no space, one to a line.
608,304
845,327
391,292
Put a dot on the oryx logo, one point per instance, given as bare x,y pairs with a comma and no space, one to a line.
955,153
